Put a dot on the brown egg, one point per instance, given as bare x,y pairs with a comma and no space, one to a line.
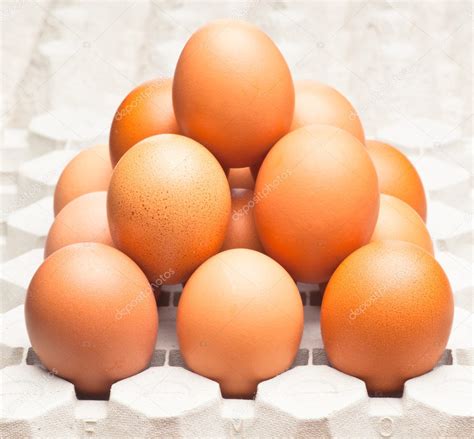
240,178
146,111
241,231
239,321
316,200
399,221
386,314
91,316
233,92
89,171
255,168
397,176
168,206
317,103
84,219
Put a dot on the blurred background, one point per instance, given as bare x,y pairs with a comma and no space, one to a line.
67,65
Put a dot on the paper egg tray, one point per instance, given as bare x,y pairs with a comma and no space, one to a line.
310,400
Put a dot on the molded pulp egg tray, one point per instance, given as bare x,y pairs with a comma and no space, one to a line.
310,400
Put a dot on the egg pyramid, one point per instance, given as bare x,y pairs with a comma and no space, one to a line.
238,182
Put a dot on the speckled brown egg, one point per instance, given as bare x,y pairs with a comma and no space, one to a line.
89,171
241,231
84,219
318,103
91,317
399,221
168,206
233,91
397,175
240,320
146,111
386,314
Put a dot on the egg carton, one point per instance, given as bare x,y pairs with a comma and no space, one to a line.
167,400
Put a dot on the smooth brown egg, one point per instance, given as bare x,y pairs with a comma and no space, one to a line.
146,111
91,317
316,200
233,92
399,221
89,171
239,321
84,219
241,231
386,315
240,178
318,103
397,176
168,206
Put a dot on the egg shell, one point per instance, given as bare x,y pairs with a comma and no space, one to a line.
233,92
241,231
146,111
386,315
239,320
397,175
399,221
255,168
318,103
316,200
240,178
89,171
168,206
84,219
91,317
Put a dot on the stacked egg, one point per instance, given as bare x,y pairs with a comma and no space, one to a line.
238,182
